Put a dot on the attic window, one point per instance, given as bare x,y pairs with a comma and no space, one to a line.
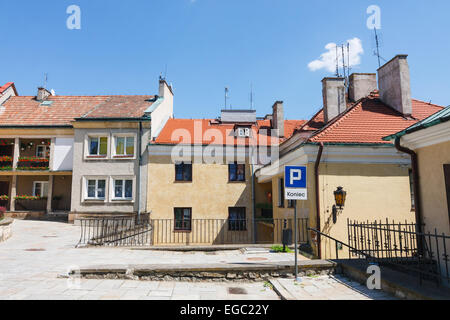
243,132
46,103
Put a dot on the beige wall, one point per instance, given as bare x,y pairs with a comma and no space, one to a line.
374,192
210,194
432,186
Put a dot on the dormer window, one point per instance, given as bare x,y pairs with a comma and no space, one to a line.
243,132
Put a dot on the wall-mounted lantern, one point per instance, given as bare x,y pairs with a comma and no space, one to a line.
339,197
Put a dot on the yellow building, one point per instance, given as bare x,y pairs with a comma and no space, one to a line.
343,146
200,178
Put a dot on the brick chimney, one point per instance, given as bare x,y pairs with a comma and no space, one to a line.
334,100
42,94
361,85
278,118
394,84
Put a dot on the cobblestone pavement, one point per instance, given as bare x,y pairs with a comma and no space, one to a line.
335,287
38,251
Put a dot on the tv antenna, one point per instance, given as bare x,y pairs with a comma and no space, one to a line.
251,96
337,62
226,96
377,48
45,80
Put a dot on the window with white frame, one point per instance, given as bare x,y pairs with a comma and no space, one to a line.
42,152
124,146
95,189
123,189
40,189
98,146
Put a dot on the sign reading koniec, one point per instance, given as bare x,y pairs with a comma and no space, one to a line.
295,183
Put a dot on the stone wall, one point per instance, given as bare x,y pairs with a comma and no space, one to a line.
5,229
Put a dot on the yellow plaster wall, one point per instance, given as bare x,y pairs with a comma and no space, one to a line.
432,186
210,194
374,192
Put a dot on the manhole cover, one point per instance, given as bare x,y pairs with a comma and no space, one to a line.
257,259
35,249
236,290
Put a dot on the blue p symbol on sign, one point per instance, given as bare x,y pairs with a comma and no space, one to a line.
295,177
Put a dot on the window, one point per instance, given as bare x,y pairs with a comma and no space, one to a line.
96,189
236,172
281,193
411,189
183,217
98,146
183,172
42,152
40,189
124,146
123,189
236,219
447,185
243,132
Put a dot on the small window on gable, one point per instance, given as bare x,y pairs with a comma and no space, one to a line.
243,132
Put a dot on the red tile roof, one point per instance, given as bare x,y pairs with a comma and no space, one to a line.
211,132
26,111
368,121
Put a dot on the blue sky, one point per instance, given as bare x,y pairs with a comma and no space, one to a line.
123,46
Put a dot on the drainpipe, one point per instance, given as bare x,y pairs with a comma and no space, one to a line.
138,175
416,184
253,203
316,176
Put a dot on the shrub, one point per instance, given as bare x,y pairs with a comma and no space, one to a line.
2,212
277,248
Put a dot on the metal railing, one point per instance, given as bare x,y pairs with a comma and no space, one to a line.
225,231
115,231
401,245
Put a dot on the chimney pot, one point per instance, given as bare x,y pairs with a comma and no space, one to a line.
42,94
394,84
278,118
361,85
334,99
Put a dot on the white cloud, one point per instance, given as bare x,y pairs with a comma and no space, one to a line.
327,60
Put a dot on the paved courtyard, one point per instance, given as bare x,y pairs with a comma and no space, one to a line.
39,251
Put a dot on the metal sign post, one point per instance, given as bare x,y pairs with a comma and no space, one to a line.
295,189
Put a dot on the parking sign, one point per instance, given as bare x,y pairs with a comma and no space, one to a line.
295,183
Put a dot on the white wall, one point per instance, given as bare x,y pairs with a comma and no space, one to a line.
63,154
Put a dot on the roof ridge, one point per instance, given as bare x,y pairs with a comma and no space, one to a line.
429,103
337,120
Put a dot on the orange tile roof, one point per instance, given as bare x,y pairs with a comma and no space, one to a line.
211,132
26,111
369,120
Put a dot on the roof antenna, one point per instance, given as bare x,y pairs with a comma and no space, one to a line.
377,52
337,62
251,96
343,59
45,80
165,72
226,96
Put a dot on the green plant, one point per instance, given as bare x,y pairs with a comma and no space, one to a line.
2,212
25,197
4,198
278,249
267,284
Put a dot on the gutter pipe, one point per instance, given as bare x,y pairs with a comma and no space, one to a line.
415,172
316,176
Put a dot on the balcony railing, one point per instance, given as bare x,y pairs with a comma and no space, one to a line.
32,164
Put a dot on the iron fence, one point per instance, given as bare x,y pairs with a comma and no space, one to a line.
115,231
225,231
401,245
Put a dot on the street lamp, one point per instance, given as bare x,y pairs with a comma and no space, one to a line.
339,197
